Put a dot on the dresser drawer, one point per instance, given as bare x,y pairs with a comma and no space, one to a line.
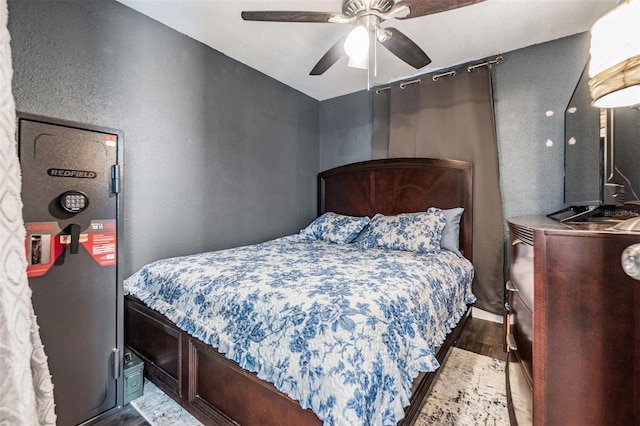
519,392
521,271
519,374
521,330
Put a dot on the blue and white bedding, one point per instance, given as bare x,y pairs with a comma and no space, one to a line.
342,328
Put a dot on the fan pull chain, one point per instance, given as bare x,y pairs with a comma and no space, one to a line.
375,57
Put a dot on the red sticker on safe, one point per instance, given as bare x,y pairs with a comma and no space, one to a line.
101,241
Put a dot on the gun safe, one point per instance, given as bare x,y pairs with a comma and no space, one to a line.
72,204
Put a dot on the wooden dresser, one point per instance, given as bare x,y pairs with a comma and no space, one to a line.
572,325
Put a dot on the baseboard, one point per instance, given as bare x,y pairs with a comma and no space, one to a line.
484,315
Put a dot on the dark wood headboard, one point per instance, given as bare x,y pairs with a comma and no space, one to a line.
400,185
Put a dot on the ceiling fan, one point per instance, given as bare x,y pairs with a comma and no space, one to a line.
367,15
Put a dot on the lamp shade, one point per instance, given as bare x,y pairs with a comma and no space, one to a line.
614,66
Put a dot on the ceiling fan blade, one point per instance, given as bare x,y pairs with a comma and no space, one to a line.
404,48
331,57
286,16
429,7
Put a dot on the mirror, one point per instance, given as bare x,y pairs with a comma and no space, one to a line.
602,152
626,137
585,133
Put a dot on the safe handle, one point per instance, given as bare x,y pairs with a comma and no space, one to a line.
74,231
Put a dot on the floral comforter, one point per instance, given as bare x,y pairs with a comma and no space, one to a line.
341,328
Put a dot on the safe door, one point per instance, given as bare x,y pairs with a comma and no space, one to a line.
70,182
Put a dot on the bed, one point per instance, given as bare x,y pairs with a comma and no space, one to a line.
191,361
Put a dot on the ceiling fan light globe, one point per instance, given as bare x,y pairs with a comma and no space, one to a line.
360,63
356,46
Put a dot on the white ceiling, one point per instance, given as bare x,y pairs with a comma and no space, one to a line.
288,51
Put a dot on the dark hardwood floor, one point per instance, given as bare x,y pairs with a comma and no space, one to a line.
128,416
478,336
484,338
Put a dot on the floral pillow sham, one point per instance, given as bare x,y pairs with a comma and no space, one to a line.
335,228
417,232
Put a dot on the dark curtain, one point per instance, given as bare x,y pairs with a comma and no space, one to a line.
453,118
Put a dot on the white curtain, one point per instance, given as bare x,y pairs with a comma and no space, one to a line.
26,391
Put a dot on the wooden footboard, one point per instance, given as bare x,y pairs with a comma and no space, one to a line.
216,390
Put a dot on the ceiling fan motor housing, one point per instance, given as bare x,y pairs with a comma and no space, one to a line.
352,8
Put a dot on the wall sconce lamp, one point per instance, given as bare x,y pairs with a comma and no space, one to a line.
614,67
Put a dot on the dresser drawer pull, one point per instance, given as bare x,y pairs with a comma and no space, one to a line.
511,286
511,343
631,261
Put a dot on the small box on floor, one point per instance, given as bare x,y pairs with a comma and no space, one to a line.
133,377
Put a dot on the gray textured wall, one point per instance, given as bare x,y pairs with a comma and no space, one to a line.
345,129
216,154
529,83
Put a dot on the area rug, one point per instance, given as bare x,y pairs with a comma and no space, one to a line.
470,390
160,410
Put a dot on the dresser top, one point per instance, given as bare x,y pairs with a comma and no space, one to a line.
592,226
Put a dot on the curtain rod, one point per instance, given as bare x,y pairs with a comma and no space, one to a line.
498,60
451,73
